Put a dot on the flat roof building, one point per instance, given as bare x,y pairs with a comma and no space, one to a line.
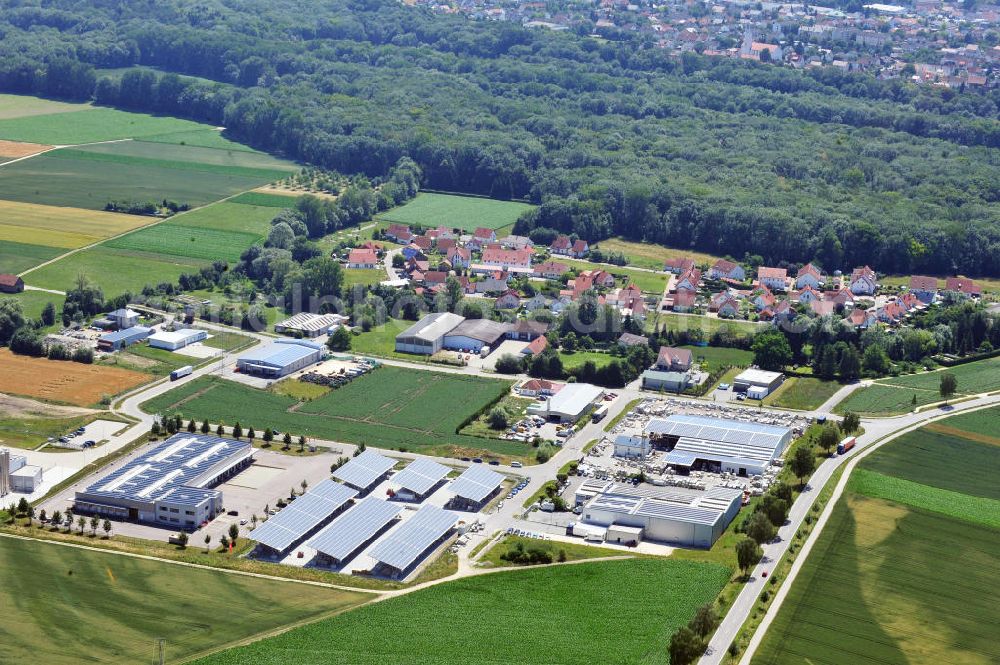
674,382
171,484
631,447
26,479
119,339
178,339
743,448
567,405
473,334
280,358
426,336
757,378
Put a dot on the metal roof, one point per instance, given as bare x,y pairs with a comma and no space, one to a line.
482,330
127,333
182,335
354,528
757,376
653,508
303,515
432,326
571,399
187,461
404,546
420,475
310,322
721,439
476,483
364,469
281,353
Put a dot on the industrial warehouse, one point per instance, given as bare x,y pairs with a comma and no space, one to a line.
625,514
280,358
426,336
717,444
567,406
171,485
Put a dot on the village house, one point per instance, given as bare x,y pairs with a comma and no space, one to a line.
861,318
678,265
964,286
362,259
671,359
551,270
484,235
725,305
684,300
459,257
723,269
516,242
536,346
924,288
863,282
807,295
564,246
513,260
539,388
776,279
527,330
689,281
762,298
509,299
809,275
399,233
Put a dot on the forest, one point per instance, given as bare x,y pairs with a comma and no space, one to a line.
609,137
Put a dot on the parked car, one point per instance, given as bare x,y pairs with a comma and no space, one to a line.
516,465
477,460
494,462
723,386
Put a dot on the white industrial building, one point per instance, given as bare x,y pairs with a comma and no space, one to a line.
11,480
178,339
628,514
632,447
757,383
717,444
426,336
569,404
26,479
280,358
474,334
310,325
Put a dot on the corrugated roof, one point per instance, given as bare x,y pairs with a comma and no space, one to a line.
281,352
432,326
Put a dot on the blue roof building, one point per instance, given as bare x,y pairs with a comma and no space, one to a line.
119,339
280,358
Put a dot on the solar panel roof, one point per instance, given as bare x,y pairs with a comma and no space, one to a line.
403,546
364,469
420,475
354,528
476,483
303,515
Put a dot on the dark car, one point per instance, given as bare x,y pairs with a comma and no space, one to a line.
477,460
495,462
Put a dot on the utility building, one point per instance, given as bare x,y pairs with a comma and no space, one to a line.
280,358
569,404
474,334
426,336
178,339
757,383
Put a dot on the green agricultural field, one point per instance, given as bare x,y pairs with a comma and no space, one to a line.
976,377
718,356
23,106
73,178
187,241
264,199
229,216
974,509
802,392
648,282
942,459
460,212
392,408
73,124
16,257
571,615
187,157
114,270
69,605
982,422
880,399
891,584
204,138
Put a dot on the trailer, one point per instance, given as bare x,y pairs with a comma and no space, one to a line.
599,413
181,372
846,445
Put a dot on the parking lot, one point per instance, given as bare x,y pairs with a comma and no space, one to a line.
89,436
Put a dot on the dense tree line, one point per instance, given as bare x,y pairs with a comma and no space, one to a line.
612,137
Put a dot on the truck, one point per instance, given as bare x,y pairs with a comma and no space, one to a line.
845,445
181,372
599,414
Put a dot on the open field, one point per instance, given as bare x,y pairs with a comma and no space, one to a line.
884,400
974,509
63,380
517,617
982,422
55,123
975,377
571,551
188,241
16,257
104,608
229,216
31,432
17,149
362,276
942,460
886,583
265,199
114,270
649,255
56,226
391,407
187,157
209,137
648,282
83,179
460,212
707,324
718,356
381,340
33,302
802,392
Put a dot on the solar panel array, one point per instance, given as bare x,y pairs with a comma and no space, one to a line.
476,483
364,469
420,475
303,515
401,548
354,528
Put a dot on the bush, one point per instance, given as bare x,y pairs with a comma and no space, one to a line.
526,556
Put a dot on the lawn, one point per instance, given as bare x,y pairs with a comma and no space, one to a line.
460,212
572,615
114,270
192,242
802,392
888,584
707,324
16,257
719,356
30,431
67,228
648,282
571,551
576,359
650,255
381,340
974,509
54,123
516,408
69,605
84,179
390,408
363,276
33,302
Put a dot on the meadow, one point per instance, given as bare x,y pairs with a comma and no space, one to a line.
718,356
69,605
55,123
880,399
21,106
16,257
65,228
648,282
116,271
522,616
265,199
974,509
187,241
390,408
33,302
707,324
802,392
975,377
229,216
459,212
63,380
187,158
577,359
649,255
362,276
